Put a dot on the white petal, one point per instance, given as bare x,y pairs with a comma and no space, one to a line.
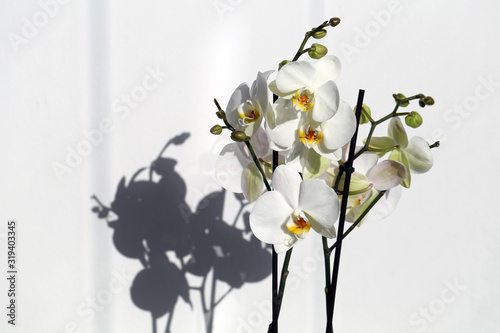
229,167
321,204
294,76
289,241
269,214
387,174
241,94
327,68
259,91
419,155
252,184
287,181
384,206
315,165
340,129
284,111
285,135
274,89
397,131
332,155
260,143
326,102
296,156
284,127
365,162
401,156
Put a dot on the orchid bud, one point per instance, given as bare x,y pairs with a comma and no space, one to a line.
363,119
317,51
334,21
414,119
429,100
221,114
216,130
399,97
239,136
319,34
283,63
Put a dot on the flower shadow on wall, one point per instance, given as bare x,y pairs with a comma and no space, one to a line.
151,225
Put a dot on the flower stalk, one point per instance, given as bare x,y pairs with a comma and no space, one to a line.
343,208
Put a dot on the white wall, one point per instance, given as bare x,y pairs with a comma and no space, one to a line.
66,67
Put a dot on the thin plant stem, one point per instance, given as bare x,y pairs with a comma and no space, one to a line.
279,299
326,254
374,124
257,164
308,35
336,263
273,327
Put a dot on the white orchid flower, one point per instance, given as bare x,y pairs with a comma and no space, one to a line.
415,153
236,171
285,215
311,144
310,87
247,106
368,180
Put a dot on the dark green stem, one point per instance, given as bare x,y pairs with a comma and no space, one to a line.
326,253
281,290
308,35
257,164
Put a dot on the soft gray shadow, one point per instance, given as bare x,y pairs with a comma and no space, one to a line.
153,219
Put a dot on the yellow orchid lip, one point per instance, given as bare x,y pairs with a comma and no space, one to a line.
299,224
303,100
248,113
309,135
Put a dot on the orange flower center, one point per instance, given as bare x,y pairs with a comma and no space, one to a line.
303,100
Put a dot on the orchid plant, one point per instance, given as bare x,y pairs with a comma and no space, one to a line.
290,158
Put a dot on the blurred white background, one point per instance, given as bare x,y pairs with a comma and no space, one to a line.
69,67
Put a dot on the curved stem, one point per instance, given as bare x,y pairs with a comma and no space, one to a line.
257,164
308,35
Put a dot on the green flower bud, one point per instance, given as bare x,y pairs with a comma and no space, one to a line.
334,21
319,34
414,119
221,114
239,136
421,103
317,51
400,97
429,100
217,129
283,63
363,119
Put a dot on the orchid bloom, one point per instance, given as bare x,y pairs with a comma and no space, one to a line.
236,171
310,143
310,88
247,107
415,153
367,181
285,215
